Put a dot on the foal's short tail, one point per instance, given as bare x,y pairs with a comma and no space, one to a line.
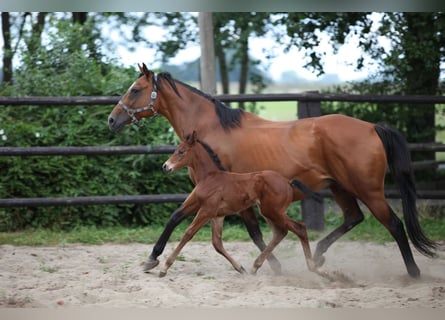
399,162
306,190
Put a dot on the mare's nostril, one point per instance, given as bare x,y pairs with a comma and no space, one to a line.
110,120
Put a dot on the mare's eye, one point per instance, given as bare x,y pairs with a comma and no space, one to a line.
134,91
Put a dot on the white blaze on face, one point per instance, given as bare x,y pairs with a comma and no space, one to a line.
131,87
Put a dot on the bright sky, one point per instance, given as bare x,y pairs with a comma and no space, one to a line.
340,64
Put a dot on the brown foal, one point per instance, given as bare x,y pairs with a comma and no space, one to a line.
219,193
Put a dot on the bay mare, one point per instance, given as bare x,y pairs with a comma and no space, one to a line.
345,154
219,193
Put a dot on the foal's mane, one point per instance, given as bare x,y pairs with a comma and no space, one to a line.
212,155
228,118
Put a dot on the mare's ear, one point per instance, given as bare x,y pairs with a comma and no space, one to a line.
144,69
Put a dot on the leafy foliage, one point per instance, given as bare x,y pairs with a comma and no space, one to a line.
62,72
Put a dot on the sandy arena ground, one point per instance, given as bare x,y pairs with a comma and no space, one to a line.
367,276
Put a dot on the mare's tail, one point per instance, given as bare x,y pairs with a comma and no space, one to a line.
399,162
306,190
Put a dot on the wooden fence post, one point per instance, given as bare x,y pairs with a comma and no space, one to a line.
312,211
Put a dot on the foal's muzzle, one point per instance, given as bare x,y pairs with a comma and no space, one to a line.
166,168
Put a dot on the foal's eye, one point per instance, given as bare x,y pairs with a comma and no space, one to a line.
181,152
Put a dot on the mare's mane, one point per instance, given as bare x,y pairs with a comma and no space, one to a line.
229,118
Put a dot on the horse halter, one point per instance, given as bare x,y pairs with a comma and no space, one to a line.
132,112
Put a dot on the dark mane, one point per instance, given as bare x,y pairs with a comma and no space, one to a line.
229,118
212,155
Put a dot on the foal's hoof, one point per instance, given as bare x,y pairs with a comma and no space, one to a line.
162,274
150,264
319,261
242,270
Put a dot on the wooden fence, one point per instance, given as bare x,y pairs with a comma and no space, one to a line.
307,104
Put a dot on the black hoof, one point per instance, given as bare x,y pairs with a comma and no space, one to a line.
319,261
414,272
150,264
162,274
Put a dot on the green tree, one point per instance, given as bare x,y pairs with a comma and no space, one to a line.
64,67
410,64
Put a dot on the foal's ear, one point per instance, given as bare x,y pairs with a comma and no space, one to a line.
194,136
191,138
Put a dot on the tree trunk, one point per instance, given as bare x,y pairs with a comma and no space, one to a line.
7,50
223,70
37,29
244,65
79,17
207,61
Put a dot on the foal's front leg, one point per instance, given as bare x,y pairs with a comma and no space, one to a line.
187,209
200,219
217,225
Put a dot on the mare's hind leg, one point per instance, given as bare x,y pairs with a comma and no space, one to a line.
251,222
386,216
352,215
278,235
217,225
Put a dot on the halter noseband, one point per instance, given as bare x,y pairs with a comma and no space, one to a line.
132,112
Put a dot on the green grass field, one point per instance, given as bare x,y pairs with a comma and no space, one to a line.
369,230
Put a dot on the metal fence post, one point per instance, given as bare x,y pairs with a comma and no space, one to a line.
312,211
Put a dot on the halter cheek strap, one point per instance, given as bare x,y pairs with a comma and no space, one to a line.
132,112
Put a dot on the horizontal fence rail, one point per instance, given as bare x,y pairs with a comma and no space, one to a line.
114,150
84,151
157,198
303,97
92,200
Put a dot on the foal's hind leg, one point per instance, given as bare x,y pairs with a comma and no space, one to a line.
217,225
352,215
278,235
251,222
299,229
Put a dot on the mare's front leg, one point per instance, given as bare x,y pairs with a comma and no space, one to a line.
200,219
217,225
253,227
352,215
187,209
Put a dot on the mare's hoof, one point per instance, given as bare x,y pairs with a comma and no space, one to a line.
162,274
150,264
414,272
319,261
